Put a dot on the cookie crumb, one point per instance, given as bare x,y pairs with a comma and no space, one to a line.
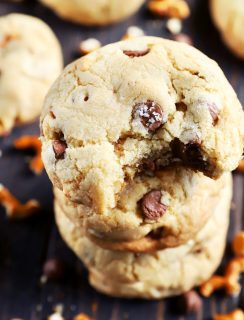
174,25
89,45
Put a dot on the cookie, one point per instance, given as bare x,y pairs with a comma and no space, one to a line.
134,107
160,274
151,213
228,17
30,61
99,12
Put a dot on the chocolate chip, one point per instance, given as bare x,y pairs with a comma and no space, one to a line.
52,114
59,147
181,106
198,251
157,233
214,111
53,269
150,114
189,153
151,206
136,53
148,167
189,302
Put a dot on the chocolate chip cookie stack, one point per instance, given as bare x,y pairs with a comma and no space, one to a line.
139,139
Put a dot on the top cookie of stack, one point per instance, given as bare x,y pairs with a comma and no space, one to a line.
130,109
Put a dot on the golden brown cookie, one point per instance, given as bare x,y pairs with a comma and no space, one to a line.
30,61
97,12
151,213
228,16
160,274
104,124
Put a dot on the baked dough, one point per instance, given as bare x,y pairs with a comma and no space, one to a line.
126,228
228,16
99,12
137,106
160,274
30,61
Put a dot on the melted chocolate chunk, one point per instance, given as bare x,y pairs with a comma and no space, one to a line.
189,153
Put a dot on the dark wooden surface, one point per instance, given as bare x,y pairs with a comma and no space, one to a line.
24,245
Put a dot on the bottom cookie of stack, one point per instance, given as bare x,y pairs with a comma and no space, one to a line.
155,275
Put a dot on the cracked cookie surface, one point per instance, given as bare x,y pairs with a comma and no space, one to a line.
105,107
30,61
228,16
160,274
100,12
151,212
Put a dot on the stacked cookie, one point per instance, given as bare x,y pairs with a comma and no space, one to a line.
30,60
139,139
